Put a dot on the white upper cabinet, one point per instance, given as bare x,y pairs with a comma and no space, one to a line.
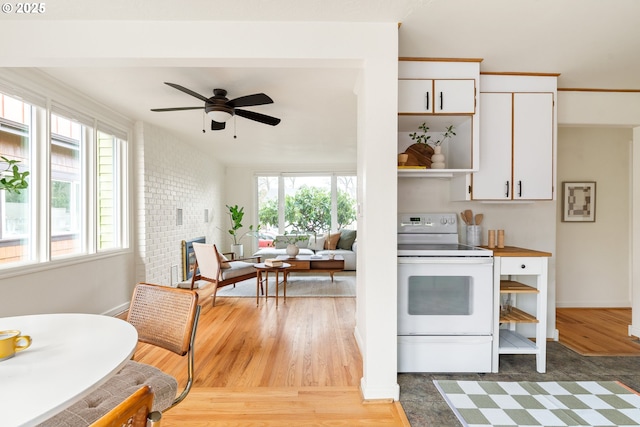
439,93
493,180
441,96
516,145
533,146
517,140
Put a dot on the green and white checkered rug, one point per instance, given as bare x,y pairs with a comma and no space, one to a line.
535,404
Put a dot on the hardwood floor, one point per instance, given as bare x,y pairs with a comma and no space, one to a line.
597,332
297,365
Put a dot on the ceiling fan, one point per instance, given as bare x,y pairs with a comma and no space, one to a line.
221,109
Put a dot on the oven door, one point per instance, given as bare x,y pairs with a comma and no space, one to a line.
445,296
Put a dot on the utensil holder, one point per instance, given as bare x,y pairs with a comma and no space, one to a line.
474,235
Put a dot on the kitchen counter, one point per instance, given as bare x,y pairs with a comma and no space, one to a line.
513,251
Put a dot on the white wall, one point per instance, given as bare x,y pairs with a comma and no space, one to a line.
172,175
593,258
66,285
613,109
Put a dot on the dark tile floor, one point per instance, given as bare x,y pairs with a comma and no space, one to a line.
424,405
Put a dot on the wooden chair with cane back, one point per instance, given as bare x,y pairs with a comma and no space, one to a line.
135,411
212,267
167,317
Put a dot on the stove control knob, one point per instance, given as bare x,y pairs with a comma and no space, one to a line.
452,220
443,221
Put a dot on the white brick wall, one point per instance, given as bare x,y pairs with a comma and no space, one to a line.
170,175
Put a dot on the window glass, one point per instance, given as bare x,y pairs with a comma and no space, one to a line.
108,199
347,202
268,215
67,195
15,206
306,204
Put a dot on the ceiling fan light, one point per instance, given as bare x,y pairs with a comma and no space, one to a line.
219,116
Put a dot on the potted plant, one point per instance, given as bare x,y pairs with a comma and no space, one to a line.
11,179
437,159
236,215
291,240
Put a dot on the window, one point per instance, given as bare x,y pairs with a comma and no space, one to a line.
76,203
307,203
68,146
110,205
15,208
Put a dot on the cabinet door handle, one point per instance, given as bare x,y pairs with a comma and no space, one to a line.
519,188
507,192
523,266
427,100
441,101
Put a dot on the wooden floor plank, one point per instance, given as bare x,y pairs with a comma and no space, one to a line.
597,331
295,365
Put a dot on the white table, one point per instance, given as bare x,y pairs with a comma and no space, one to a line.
70,356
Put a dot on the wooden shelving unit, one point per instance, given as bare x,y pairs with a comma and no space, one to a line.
507,337
516,315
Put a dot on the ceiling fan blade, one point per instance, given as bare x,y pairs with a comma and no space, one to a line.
188,91
250,100
177,109
262,118
217,125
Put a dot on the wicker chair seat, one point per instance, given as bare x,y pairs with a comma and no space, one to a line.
114,391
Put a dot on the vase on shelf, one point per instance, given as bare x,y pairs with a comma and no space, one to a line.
292,250
437,158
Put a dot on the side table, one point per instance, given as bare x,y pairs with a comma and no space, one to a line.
265,269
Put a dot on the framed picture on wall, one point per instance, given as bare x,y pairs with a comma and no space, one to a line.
579,201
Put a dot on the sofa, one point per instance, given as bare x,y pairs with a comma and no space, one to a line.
342,242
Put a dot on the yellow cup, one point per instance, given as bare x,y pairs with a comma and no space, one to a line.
11,342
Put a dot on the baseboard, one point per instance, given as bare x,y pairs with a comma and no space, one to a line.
117,310
379,394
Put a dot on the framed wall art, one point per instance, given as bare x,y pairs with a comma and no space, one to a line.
579,201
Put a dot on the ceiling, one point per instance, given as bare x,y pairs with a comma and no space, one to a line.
591,43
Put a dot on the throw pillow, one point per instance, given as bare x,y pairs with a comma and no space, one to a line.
332,241
317,243
224,263
347,237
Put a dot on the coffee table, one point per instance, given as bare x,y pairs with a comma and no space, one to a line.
309,263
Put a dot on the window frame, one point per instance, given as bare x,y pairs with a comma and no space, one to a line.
43,104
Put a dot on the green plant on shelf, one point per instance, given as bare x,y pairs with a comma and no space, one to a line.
425,138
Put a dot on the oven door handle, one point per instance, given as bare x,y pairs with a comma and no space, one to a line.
439,260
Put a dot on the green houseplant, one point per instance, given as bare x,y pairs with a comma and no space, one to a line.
236,215
11,179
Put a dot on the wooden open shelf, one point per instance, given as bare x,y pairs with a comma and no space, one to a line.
513,287
517,316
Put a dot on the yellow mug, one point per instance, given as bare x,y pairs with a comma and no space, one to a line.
11,342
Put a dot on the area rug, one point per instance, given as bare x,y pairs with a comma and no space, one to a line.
299,285
553,403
